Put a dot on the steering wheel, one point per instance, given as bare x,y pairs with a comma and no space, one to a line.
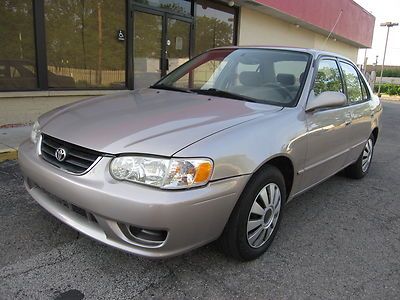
280,89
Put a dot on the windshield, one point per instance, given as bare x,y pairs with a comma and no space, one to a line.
259,75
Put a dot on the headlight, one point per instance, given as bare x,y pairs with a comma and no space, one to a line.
35,133
163,173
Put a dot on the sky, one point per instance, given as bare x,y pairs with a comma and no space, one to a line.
384,11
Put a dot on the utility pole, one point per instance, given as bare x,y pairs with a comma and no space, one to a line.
364,69
388,25
100,50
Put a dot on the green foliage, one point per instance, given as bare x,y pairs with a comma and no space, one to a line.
394,72
328,79
16,30
388,88
82,34
353,86
212,32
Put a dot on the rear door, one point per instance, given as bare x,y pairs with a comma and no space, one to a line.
328,128
359,109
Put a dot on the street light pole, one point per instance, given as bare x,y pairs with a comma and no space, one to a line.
388,25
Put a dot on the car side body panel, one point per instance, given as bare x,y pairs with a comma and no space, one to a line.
270,137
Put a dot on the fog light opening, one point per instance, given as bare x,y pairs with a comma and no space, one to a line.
144,237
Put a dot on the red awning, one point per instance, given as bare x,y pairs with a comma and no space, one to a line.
355,23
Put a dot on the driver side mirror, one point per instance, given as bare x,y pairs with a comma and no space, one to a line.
325,99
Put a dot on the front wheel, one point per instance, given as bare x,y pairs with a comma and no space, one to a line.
361,167
255,219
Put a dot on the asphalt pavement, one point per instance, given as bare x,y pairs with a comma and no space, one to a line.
339,240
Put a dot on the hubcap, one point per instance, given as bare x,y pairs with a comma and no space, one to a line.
263,215
367,155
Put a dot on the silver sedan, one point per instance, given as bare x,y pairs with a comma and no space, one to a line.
214,150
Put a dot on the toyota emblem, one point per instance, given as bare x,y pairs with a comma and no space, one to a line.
61,154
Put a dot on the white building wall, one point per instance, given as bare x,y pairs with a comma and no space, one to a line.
256,28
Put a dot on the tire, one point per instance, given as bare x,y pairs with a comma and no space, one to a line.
255,208
361,167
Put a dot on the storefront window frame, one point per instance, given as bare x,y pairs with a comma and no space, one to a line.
41,46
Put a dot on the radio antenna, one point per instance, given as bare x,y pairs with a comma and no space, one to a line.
333,28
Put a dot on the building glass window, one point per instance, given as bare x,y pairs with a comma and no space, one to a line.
177,6
83,50
17,46
215,25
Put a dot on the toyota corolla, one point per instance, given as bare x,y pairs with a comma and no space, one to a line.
214,150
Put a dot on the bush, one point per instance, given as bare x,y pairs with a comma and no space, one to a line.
395,72
388,88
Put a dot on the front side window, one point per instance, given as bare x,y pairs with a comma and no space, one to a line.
354,92
328,77
247,74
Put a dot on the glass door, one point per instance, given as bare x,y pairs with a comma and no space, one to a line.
178,43
161,43
147,48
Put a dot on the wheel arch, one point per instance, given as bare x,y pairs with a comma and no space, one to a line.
285,165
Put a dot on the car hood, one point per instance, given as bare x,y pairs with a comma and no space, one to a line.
147,121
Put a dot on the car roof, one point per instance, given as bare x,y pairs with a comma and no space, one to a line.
314,52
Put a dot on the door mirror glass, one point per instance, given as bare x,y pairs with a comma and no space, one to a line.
325,99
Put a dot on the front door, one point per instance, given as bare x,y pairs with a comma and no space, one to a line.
328,129
161,42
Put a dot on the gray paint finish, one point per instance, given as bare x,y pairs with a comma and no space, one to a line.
148,121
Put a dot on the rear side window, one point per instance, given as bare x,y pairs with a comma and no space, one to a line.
353,84
328,77
365,93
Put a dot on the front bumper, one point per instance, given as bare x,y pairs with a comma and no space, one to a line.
191,218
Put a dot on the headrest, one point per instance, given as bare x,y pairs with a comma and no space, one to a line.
249,78
286,79
301,78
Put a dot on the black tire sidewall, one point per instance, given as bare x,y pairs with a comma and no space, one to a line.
355,170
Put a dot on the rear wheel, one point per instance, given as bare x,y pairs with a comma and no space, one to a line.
255,219
361,167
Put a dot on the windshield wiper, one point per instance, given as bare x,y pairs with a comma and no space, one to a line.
170,88
225,94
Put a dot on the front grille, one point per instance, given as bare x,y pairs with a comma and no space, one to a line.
77,160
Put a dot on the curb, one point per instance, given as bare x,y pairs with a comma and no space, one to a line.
8,154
